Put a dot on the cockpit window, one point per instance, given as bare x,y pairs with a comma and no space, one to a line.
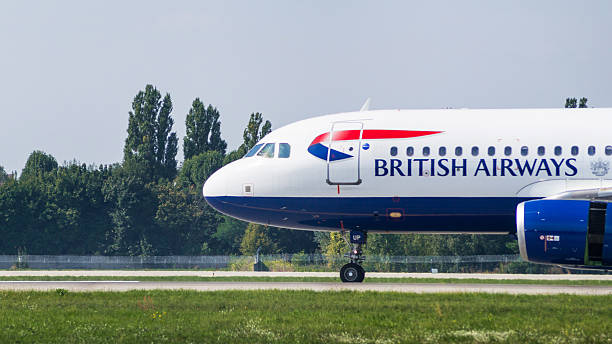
284,150
253,150
267,151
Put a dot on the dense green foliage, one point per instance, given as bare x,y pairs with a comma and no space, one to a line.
61,210
146,205
203,131
572,103
252,133
150,147
255,131
3,175
333,244
301,317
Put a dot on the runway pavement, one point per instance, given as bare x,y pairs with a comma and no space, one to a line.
134,284
199,273
314,286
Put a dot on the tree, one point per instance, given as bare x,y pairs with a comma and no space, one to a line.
336,245
150,142
234,155
203,131
149,160
256,236
76,206
197,169
196,235
293,240
228,236
185,223
437,245
255,131
134,204
54,210
38,164
251,135
3,175
13,218
572,103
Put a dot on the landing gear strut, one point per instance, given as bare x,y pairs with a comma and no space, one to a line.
353,272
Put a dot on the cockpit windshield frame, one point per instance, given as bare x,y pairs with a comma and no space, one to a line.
253,150
267,151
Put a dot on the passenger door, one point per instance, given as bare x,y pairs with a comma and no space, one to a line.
344,153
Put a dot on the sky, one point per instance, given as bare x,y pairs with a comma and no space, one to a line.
70,69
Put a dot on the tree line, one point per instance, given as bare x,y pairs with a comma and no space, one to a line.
148,204
145,205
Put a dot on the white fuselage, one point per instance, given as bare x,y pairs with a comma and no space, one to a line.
537,153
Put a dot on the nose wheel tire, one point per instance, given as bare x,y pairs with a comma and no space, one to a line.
352,272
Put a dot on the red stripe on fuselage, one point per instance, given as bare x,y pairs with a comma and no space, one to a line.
371,134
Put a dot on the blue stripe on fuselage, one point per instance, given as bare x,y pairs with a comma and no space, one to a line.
419,214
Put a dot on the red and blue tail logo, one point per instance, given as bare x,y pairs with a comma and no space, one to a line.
317,146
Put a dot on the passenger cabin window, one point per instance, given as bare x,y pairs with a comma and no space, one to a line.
608,150
410,151
541,150
491,151
393,151
591,150
267,151
475,151
284,150
458,151
574,150
253,150
508,150
558,150
442,151
524,150
426,151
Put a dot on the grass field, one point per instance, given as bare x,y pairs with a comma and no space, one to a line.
301,317
303,279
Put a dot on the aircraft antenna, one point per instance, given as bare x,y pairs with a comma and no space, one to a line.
365,106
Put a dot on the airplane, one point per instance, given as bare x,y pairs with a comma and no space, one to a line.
542,175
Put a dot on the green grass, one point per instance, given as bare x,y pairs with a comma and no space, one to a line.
301,317
303,279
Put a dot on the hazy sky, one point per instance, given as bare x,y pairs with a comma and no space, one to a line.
69,70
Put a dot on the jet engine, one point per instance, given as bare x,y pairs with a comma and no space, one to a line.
567,232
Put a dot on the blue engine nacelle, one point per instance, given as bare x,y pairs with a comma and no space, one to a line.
574,233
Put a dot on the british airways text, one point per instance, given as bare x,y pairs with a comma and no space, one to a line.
484,167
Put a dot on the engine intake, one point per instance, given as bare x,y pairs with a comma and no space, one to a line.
574,233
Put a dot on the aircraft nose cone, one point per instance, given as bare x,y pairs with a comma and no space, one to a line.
214,188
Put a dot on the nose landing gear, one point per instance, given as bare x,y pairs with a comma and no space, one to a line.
353,272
